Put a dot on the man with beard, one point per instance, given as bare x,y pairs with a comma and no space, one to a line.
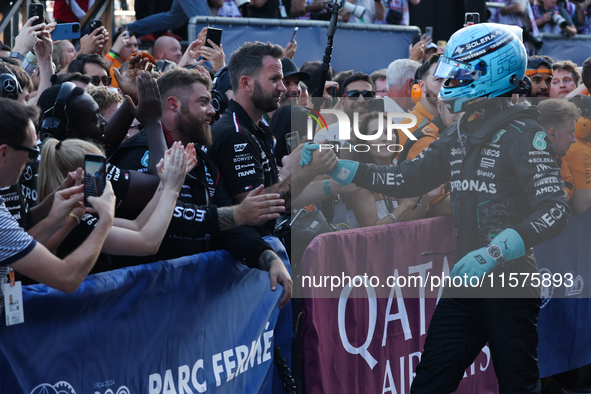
426,109
203,218
358,88
241,149
291,79
539,70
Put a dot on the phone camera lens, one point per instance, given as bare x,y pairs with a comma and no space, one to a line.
75,28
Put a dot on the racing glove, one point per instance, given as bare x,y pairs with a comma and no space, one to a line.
306,158
344,171
506,246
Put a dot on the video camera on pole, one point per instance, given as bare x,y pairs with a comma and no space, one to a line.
333,6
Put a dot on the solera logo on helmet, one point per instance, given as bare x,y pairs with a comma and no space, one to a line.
344,125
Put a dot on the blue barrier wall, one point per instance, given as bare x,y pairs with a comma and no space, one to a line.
565,317
356,46
359,47
577,48
202,323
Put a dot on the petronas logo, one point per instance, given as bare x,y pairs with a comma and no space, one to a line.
498,136
539,142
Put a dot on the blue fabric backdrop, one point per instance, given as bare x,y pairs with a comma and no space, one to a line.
201,323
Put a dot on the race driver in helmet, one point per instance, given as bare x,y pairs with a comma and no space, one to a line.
506,195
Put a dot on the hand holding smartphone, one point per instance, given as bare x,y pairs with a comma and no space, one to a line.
292,141
66,31
295,30
95,176
213,34
36,10
94,24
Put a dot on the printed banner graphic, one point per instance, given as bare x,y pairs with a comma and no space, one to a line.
198,324
359,343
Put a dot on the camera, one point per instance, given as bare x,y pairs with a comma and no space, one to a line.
559,20
356,10
375,105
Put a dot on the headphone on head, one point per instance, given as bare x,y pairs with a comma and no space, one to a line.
219,100
9,86
416,92
53,126
583,125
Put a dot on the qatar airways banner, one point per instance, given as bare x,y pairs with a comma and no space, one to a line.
198,324
362,344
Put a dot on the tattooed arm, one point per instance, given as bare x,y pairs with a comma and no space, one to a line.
269,261
255,209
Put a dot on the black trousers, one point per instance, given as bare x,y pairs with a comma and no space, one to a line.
461,327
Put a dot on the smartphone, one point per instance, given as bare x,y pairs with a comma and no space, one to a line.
214,35
429,31
333,94
36,10
441,44
295,30
66,31
94,24
375,105
95,176
416,37
292,140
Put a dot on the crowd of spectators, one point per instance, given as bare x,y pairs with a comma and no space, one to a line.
200,152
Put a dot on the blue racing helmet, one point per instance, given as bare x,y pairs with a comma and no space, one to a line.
480,61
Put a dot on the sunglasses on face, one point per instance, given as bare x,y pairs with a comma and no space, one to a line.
96,80
32,152
357,93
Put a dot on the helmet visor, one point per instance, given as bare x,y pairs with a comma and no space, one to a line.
451,69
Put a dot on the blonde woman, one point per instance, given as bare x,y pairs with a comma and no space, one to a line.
139,237
62,55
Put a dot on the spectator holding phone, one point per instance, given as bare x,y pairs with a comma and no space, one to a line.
212,52
139,237
20,251
124,45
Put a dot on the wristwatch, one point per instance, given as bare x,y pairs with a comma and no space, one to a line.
17,55
495,252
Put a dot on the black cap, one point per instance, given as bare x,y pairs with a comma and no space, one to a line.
289,69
